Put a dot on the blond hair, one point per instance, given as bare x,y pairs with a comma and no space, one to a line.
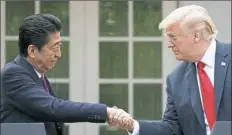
191,18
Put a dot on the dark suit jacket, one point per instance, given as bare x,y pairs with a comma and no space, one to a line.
184,114
23,100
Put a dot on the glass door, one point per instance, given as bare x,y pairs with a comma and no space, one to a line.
124,59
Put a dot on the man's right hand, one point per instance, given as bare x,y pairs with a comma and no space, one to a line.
120,118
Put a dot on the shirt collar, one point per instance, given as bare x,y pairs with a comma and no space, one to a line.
209,55
39,75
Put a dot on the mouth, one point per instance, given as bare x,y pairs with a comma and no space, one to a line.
53,62
175,52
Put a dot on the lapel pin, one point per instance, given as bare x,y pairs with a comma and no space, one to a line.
223,63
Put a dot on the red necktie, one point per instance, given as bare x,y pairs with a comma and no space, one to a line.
207,93
45,84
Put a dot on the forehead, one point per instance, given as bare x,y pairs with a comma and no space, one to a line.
54,37
172,27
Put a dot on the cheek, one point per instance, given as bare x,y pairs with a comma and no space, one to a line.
182,44
186,48
50,55
177,44
39,57
47,57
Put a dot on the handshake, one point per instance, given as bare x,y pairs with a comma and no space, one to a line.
120,118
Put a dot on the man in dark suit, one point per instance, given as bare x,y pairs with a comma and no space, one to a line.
199,88
26,94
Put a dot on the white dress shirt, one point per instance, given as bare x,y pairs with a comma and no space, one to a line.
39,75
209,60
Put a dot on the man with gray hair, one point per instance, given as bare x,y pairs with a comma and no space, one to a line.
199,88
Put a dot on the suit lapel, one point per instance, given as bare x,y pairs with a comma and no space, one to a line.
194,94
23,62
221,66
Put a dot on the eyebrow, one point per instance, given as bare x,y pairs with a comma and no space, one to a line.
58,42
170,34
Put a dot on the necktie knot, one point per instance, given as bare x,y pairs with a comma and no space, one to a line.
200,65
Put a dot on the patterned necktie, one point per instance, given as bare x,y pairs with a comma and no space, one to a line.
207,93
45,84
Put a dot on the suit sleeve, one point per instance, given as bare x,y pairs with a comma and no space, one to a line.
169,124
24,94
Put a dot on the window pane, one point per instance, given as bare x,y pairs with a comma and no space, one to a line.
12,50
62,66
106,130
147,101
147,60
113,18
61,90
59,9
114,95
147,16
113,60
16,11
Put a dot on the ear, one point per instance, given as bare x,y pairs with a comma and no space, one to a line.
197,36
31,51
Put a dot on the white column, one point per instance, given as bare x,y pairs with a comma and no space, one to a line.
130,58
3,29
91,60
37,7
76,58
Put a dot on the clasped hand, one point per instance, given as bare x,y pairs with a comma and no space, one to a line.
120,118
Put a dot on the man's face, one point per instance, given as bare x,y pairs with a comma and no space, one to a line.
46,58
182,44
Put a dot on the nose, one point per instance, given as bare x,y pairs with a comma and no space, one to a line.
170,44
58,53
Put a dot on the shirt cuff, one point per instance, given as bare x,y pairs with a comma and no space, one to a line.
136,129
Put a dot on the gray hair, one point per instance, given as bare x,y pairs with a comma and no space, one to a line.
191,18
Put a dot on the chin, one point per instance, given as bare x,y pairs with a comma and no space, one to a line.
178,57
183,59
52,65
